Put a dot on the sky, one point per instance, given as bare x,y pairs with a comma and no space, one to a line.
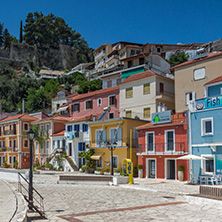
139,21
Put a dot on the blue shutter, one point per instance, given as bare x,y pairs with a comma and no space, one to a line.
83,161
86,128
80,146
83,127
75,126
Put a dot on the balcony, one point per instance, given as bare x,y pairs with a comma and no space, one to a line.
100,54
177,148
8,132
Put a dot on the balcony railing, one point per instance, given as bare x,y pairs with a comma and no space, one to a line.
12,149
163,148
8,132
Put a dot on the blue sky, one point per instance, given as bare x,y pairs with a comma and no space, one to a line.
139,21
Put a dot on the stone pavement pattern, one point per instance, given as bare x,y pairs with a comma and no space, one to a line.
146,200
7,202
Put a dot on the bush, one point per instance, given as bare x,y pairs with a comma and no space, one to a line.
180,168
98,170
107,170
5,165
139,167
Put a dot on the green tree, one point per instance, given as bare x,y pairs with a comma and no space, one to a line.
20,34
178,58
1,34
8,39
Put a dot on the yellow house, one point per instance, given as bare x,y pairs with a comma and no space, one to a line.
115,133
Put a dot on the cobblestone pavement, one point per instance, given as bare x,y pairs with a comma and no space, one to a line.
146,200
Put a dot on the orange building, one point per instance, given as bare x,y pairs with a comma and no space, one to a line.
14,147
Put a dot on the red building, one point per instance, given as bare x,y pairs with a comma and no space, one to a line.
93,103
160,144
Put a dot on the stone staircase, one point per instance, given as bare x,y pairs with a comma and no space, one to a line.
72,164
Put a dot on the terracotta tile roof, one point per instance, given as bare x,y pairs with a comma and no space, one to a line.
142,75
85,118
61,133
98,92
55,118
20,116
175,119
218,79
208,56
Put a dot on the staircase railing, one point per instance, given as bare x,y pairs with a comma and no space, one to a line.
25,192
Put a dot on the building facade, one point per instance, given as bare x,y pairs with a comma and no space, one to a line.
160,144
141,94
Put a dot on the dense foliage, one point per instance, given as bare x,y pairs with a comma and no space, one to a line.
5,38
38,93
50,31
178,58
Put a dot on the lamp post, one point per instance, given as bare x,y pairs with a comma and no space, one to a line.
111,147
30,135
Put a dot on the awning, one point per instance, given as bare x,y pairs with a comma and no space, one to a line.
96,156
131,72
62,109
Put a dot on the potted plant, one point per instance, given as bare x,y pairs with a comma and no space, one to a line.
16,164
117,173
97,171
180,170
140,171
107,172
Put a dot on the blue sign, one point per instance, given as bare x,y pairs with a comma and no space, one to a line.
219,163
209,103
161,117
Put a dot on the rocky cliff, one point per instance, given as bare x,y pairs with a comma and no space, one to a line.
57,58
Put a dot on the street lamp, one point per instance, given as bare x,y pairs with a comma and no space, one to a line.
111,147
30,135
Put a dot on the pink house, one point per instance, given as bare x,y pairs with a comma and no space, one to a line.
93,103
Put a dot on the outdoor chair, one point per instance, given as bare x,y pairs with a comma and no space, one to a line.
212,180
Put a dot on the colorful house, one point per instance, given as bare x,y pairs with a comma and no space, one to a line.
77,135
161,142
115,132
140,94
48,127
93,103
14,146
205,131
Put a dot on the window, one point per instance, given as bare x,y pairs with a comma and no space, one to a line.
111,115
84,127
100,137
115,162
208,165
41,127
146,112
132,52
53,144
99,101
129,114
0,143
3,144
130,64
26,143
69,128
149,141
207,126
10,143
99,163
58,144
75,107
161,87
109,83
190,96
169,140
199,73
25,126
88,104
37,146
47,144
116,136
158,50
15,143
146,88
141,61
112,100
47,128
82,146
129,92
10,160
118,81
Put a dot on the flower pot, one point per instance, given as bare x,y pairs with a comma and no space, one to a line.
106,173
97,172
140,173
180,175
116,174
